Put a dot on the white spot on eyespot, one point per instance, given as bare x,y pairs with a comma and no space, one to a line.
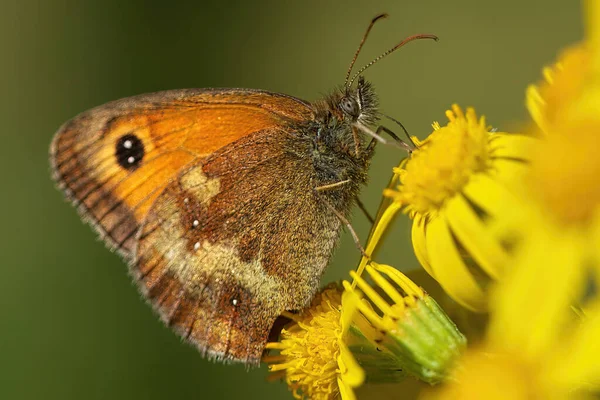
127,144
234,302
186,200
196,245
131,159
196,223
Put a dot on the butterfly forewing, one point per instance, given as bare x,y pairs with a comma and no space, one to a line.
193,187
114,161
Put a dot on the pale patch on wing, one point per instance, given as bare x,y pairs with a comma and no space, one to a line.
196,182
222,260
223,303
193,263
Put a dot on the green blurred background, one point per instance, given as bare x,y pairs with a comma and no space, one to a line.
73,325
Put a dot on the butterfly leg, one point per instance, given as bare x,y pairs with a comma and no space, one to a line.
358,202
345,221
332,185
371,146
356,141
364,210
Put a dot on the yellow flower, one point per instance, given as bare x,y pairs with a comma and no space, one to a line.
312,356
453,186
375,332
345,339
407,328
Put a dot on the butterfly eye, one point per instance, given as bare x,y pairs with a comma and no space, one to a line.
129,151
349,106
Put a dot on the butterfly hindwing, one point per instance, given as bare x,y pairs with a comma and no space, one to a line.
234,241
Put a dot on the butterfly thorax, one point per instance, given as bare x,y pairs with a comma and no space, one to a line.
334,145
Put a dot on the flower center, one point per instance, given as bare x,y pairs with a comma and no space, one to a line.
309,349
444,162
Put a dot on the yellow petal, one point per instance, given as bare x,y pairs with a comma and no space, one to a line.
493,197
510,145
371,293
381,226
352,374
595,238
419,243
377,232
346,392
449,268
409,287
509,171
577,363
472,234
384,284
536,105
592,13
532,305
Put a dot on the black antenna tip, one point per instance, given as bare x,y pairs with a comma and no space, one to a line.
379,16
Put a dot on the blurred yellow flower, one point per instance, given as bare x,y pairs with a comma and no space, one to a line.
563,82
453,186
542,340
537,347
560,194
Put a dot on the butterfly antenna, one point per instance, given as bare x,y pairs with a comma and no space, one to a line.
390,51
362,42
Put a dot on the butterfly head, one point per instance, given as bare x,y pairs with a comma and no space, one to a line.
349,105
358,104
338,115
355,105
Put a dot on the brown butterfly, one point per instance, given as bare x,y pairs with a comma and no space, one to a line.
226,203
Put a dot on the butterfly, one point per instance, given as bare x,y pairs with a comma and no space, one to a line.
226,203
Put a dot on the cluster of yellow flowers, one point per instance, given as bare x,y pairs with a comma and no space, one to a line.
508,224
